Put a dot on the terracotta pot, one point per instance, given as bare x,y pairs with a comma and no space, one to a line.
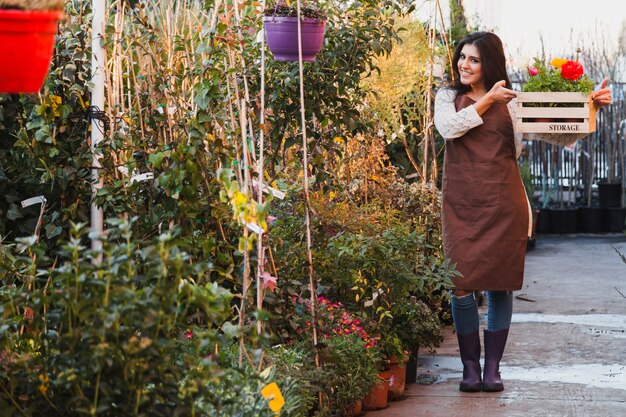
397,381
376,399
355,410
26,44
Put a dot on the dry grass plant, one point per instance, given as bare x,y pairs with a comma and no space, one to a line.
398,91
145,77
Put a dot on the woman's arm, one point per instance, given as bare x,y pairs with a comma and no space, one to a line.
450,123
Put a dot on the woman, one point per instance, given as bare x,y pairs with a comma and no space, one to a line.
486,215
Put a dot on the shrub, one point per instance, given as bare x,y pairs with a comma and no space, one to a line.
85,337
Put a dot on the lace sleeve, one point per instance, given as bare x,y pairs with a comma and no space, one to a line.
450,123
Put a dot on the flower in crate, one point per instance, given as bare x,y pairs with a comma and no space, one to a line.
572,70
561,75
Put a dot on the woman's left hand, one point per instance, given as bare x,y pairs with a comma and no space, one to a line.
602,97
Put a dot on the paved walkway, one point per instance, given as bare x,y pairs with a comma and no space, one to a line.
566,354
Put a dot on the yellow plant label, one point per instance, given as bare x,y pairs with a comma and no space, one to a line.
272,393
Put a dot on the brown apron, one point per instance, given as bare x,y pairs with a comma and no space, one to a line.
485,210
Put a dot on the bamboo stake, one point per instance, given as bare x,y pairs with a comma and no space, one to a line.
246,255
445,38
260,181
231,99
243,66
309,249
428,118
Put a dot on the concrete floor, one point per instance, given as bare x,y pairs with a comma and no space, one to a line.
566,353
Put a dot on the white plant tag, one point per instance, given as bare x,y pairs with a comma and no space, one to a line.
34,200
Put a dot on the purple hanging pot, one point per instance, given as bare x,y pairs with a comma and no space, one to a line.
281,34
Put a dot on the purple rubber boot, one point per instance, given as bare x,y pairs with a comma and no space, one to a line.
469,347
494,348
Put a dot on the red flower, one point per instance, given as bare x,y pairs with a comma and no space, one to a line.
572,70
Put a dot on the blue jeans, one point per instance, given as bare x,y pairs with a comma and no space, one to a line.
465,312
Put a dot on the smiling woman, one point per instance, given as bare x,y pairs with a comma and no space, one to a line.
485,210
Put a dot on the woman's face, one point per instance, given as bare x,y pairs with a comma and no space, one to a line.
469,67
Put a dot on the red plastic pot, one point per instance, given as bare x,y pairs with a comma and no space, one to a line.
26,45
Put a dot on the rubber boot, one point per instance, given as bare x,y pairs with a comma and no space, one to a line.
469,347
494,348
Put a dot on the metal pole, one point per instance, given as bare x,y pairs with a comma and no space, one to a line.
98,62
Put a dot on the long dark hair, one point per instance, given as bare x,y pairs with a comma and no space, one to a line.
493,63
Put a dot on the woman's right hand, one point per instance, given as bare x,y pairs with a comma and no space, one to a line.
500,94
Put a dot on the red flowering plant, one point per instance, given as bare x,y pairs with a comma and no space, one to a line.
560,76
334,319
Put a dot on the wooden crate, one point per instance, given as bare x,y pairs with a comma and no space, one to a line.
540,117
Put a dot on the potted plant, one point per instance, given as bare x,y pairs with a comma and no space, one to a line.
395,355
377,398
350,357
281,31
417,326
27,29
556,103
351,370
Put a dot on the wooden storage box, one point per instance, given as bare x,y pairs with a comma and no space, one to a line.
556,113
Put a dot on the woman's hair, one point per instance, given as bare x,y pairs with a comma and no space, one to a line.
493,63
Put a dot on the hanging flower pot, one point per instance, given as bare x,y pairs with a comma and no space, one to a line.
26,45
281,32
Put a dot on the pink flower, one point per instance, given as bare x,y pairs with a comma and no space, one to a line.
533,71
269,281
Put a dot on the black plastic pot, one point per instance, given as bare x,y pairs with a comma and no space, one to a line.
564,220
593,219
616,218
544,224
411,366
610,194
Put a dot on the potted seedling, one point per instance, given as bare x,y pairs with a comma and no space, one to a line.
280,21
27,30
